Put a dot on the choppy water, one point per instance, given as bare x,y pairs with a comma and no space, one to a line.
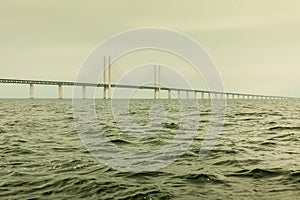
256,157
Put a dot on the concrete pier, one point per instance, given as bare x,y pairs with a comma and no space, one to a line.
178,94
31,91
169,94
159,93
84,92
60,92
187,94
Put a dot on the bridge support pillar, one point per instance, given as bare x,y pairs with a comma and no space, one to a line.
202,95
169,94
31,91
195,95
159,92
178,94
84,92
59,91
104,91
187,94
209,96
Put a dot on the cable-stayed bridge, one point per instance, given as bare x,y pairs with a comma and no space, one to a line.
203,94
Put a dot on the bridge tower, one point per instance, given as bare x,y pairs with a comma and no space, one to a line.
109,78
104,78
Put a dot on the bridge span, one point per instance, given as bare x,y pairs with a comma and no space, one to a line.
204,94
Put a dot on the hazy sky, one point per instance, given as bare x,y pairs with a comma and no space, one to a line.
254,43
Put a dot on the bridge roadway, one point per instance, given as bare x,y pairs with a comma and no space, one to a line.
204,93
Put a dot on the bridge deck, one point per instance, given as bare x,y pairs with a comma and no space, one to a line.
70,83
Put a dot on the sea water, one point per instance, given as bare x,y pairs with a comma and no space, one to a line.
257,155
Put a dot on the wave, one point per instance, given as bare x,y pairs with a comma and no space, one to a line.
201,178
280,128
258,173
120,141
171,126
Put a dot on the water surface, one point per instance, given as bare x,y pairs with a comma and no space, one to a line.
257,156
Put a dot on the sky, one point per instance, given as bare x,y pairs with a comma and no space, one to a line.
254,43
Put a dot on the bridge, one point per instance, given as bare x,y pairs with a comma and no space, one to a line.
204,94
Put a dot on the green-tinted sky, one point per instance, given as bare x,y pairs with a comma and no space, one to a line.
254,43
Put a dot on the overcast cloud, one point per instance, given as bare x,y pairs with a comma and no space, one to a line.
254,43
